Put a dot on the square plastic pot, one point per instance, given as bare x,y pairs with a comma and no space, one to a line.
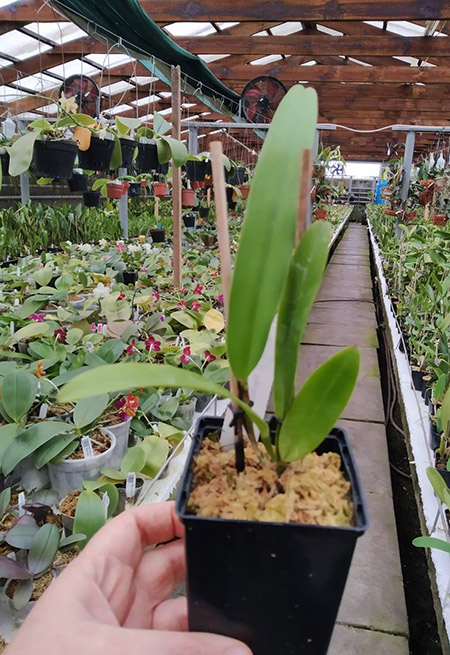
189,220
91,198
128,147
98,156
275,586
147,157
4,157
158,235
78,182
54,158
129,277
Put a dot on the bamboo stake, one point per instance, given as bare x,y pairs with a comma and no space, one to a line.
208,196
157,207
176,177
220,199
304,196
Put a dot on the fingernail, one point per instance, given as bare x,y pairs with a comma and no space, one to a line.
238,650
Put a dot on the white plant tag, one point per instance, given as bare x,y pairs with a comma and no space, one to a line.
16,302
90,347
87,447
21,503
130,488
136,315
105,329
11,328
18,270
43,410
105,501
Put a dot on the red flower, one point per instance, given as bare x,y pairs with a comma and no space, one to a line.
214,273
156,294
131,405
209,357
184,359
60,334
196,307
152,345
184,290
121,296
233,214
131,348
198,289
182,303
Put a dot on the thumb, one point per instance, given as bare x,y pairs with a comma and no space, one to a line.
156,642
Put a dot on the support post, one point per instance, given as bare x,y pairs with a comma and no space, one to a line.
193,140
123,208
315,148
407,163
24,188
176,177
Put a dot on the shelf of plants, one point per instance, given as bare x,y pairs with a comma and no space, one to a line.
413,275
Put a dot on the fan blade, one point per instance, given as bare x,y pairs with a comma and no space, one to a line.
253,93
272,86
252,110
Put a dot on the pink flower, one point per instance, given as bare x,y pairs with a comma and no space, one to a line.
184,290
162,318
156,294
220,298
209,357
196,307
39,318
184,359
152,345
131,348
60,335
93,327
121,296
198,289
143,269
120,247
182,303
214,274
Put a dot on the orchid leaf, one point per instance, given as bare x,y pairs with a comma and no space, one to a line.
12,570
43,549
5,499
318,405
302,286
88,410
71,540
21,153
160,125
178,150
28,332
18,390
52,449
22,594
267,237
431,542
22,536
156,451
124,125
89,515
30,440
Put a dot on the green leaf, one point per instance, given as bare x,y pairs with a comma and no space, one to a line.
167,410
43,181
111,350
5,498
43,276
439,485
43,549
22,594
124,125
64,282
303,283
7,435
133,461
40,124
21,536
19,390
71,540
73,119
88,410
445,412
21,153
178,151
30,306
30,440
160,125
156,451
89,515
318,405
74,336
118,377
432,542
185,319
267,237
29,331
163,150
52,449
116,158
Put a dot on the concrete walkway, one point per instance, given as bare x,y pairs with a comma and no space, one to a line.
372,618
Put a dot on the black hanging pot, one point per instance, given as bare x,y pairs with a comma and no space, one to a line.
229,192
238,176
54,158
162,169
135,190
78,182
275,586
4,156
196,170
189,219
147,157
129,277
98,156
128,149
204,212
91,198
158,235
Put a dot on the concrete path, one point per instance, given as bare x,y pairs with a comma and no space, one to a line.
372,618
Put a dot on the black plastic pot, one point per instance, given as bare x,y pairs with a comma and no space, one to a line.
229,192
417,378
9,262
189,220
434,436
98,156
196,170
232,205
147,157
128,149
203,212
130,277
78,182
54,158
445,474
158,235
239,176
135,190
4,157
91,198
275,586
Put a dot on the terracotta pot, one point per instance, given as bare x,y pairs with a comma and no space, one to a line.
125,186
439,219
115,191
159,189
410,216
425,197
144,184
321,214
389,212
187,198
245,190
197,184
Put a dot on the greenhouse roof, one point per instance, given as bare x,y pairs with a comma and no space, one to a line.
372,64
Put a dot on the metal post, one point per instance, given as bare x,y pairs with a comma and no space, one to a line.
123,207
407,163
176,178
24,188
315,148
193,140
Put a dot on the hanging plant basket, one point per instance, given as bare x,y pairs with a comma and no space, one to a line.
321,214
245,190
135,190
98,156
198,184
115,191
235,566
159,189
78,182
238,177
128,149
410,216
196,170
91,198
440,219
4,157
187,198
189,220
147,157
204,212
158,235
54,158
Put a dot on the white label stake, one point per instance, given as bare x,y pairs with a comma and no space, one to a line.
105,501
11,328
130,488
43,410
87,447
21,503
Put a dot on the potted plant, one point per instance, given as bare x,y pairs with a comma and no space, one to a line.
189,219
441,203
91,198
187,198
158,234
274,553
84,511
78,181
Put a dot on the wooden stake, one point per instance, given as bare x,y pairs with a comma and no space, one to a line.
157,207
176,177
208,196
304,197
220,199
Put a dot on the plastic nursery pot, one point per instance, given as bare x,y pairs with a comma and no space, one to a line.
147,157
245,190
410,217
238,176
115,191
159,189
123,500
434,436
121,431
135,190
70,473
78,182
229,192
187,198
91,198
187,410
443,472
54,158
98,156
439,219
128,149
158,235
130,277
189,220
275,586
197,184
204,212
417,379
196,170
321,214
4,158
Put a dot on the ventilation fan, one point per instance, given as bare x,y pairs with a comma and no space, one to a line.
261,97
86,92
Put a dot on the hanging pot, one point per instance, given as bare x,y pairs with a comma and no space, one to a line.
238,177
245,190
91,198
54,158
234,567
78,182
321,214
204,212
196,170
98,156
198,184
135,190
187,198
158,235
4,156
410,217
147,157
189,220
114,191
229,192
159,189
440,219
128,147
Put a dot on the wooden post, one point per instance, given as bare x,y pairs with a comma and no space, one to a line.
304,196
176,177
157,207
208,196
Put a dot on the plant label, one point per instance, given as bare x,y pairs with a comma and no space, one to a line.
130,488
105,501
16,302
43,410
136,315
11,328
105,329
86,445
18,271
90,347
21,503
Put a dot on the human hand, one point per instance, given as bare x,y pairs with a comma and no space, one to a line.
113,598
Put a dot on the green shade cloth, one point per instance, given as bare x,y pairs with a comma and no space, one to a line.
143,38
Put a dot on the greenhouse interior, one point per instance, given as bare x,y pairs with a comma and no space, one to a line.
168,430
